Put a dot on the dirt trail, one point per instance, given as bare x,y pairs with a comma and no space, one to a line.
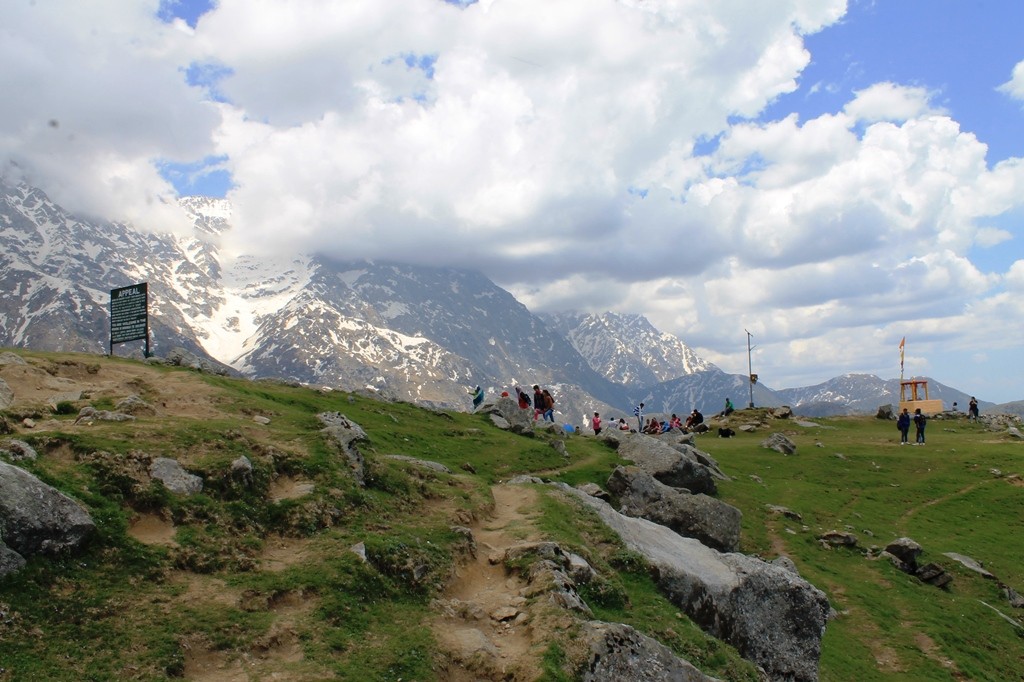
485,623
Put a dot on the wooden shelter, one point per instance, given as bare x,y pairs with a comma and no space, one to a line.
914,395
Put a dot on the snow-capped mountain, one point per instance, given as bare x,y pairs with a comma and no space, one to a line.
627,349
412,333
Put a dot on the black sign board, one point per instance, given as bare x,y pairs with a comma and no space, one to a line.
129,315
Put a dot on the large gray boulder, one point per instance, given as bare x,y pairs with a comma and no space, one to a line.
36,518
774,618
779,443
518,419
713,522
618,653
174,477
344,433
677,468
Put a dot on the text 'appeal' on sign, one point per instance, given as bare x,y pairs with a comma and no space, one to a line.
129,314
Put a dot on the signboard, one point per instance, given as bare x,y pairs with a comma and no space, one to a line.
129,315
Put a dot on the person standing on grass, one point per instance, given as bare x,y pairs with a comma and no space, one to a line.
595,423
549,406
903,424
538,402
919,421
972,409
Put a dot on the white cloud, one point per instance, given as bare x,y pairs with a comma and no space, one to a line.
548,144
1015,86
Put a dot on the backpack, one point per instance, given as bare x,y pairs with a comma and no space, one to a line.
526,399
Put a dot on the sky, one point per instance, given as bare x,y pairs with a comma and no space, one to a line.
829,176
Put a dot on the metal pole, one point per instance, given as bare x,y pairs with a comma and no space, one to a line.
750,372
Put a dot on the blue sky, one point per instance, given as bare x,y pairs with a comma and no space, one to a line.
829,175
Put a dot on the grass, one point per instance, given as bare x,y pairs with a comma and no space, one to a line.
124,610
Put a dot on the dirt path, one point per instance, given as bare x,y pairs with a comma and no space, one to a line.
484,622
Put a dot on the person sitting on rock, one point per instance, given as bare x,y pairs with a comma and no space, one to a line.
694,419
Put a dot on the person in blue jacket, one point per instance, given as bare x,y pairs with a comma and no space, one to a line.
919,421
903,424
478,397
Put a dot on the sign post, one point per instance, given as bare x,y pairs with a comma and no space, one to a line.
129,315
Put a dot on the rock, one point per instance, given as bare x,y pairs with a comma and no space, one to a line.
174,477
970,564
786,563
89,414
14,450
905,551
885,412
783,511
9,358
182,358
748,428
135,405
36,518
1015,433
359,549
837,538
507,410
618,653
667,464
772,617
933,574
784,412
712,522
779,443
1016,601
10,561
594,490
344,434
6,395
559,447
260,419
425,463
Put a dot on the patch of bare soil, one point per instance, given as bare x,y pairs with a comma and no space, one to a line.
930,649
40,382
274,655
280,553
486,625
288,488
151,529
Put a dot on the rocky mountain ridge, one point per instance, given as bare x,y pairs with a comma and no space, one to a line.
408,333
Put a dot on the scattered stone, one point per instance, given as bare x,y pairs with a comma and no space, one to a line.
784,511
359,549
466,466
933,574
835,538
14,450
260,419
10,562
886,412
905,552
618,653
503,613
559,447
779,443
756,479
970,564
28,423
784,412
1016,600
425,463
344,434
133,404
90,414
174,477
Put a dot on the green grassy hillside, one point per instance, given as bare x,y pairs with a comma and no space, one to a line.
255,578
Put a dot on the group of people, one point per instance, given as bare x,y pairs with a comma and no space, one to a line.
903,424
542,402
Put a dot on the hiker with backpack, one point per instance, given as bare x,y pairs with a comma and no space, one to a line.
920,421
524,399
